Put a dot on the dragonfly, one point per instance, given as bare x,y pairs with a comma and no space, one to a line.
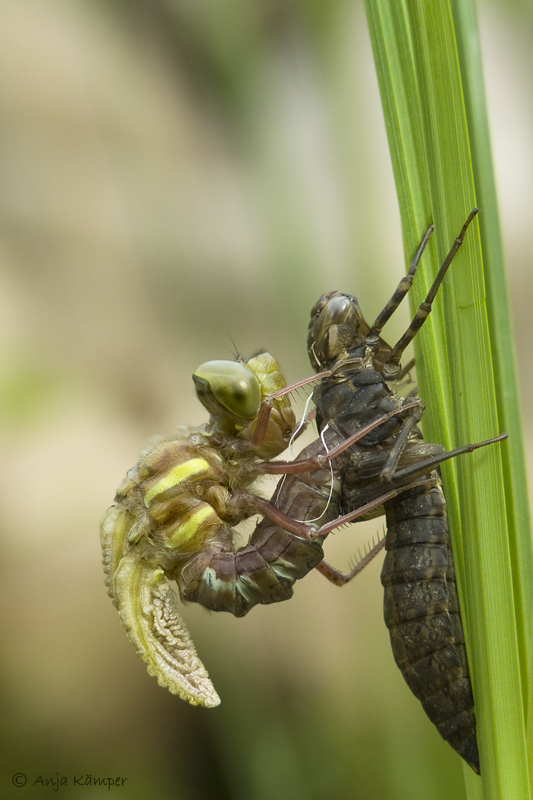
359,378
175,514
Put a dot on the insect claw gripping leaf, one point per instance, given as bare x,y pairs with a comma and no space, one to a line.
360,381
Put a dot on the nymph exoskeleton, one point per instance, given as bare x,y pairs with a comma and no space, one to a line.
360,373
175,512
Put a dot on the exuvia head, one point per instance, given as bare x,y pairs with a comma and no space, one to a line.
337,326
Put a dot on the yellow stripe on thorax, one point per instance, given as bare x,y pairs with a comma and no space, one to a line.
189,469
187,529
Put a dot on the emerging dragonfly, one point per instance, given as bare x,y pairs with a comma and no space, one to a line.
175,512
359,375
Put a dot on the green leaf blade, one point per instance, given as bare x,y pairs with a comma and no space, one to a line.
420,82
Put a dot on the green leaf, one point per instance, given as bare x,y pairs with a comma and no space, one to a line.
499,315
419,73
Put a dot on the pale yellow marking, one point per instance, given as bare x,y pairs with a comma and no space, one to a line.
189,469
187,530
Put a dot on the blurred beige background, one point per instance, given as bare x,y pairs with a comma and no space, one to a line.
175,175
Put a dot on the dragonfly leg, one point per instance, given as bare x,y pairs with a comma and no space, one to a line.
339,578
268,402
387,473
317,462
424,309
403,287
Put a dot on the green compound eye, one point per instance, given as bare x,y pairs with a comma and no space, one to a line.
232,385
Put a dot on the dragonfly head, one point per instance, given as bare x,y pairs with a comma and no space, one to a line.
232,392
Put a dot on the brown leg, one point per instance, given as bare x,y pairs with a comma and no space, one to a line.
423,467
338,578
387,473
268,402
403,287
424,309
310,464
265,508
431,463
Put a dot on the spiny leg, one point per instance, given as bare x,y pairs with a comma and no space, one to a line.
403,287
339,578
317,462
422,467
423,312
265,508
431,463
400,443
268,402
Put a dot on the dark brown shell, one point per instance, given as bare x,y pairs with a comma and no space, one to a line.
421,608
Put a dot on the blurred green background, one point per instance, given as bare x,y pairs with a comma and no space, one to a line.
175,174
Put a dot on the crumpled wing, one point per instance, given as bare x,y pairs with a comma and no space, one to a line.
148,609
115,529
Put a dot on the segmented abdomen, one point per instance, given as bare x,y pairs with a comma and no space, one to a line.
163,527
421,610
264,570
